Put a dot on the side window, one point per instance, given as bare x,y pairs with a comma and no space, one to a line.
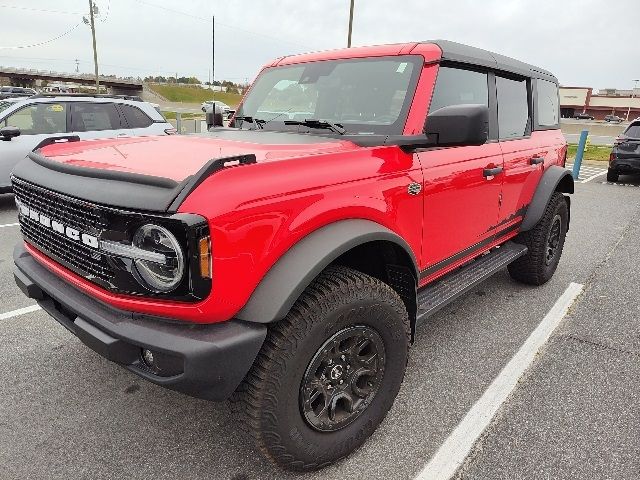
92,117
457,87
546,103
135,117
513,108
40,119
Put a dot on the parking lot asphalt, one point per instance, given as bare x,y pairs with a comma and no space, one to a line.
67,413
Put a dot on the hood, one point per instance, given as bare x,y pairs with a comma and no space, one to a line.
177,157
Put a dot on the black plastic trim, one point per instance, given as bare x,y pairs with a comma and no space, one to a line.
467,251
295,270
547,186
211,167
52,140
102,173
214,357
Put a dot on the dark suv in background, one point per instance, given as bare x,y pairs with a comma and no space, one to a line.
625,156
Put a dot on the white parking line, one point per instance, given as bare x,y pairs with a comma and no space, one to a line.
9,225
452,453
594,176
20,311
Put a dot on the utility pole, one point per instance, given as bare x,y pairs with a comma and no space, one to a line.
635,85
95,51
77,65
350,24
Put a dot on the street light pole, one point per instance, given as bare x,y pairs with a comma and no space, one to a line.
95,51
635,85
350,24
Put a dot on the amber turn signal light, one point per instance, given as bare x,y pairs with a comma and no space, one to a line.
204,252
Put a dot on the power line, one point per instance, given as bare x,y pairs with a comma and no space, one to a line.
232,27
18,7
17,47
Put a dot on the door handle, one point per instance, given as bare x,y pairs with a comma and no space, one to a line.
537,160
490,172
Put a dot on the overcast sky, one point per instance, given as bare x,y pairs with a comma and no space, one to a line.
583,42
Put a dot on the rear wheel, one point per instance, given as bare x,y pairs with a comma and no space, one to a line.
612,176
329,372
544,242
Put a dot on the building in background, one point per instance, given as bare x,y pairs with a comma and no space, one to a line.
610,101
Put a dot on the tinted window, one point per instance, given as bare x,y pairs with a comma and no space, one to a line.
458,87
41,118
547,103
135,117
513,108
91,117
633,131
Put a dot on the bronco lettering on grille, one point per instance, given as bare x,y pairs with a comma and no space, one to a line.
72,233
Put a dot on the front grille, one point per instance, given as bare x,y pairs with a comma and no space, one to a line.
71,212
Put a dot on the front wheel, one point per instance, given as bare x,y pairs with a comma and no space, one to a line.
329,372
544,242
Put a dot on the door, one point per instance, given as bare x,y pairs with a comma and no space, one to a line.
97,120
36,122
524,151
461,184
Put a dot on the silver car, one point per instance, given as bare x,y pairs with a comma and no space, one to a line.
24,123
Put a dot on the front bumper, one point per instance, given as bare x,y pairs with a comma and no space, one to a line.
207,360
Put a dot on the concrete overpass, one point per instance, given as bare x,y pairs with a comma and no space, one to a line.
116,86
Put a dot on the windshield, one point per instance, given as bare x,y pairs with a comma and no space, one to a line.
365,96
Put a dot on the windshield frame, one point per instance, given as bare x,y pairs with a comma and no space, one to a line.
359,129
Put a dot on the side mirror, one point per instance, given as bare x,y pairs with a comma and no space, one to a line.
459,125
215,117
7,133
453,126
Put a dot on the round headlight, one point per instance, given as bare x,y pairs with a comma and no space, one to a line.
160,277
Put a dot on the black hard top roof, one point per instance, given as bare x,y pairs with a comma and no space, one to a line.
457,52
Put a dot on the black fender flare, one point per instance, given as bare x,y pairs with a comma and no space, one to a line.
295,270
554,179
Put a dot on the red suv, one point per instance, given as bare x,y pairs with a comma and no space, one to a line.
286,261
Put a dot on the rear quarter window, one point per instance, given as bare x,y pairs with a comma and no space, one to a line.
547,103
135,117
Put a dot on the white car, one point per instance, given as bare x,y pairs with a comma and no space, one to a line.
208,106
25,123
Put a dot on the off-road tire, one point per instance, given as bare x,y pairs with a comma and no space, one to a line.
612,176
270,394
533,268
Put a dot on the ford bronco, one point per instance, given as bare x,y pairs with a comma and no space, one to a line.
286,260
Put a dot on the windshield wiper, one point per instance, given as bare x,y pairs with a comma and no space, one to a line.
258,122
315,123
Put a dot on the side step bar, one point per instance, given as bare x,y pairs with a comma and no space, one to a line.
439,294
